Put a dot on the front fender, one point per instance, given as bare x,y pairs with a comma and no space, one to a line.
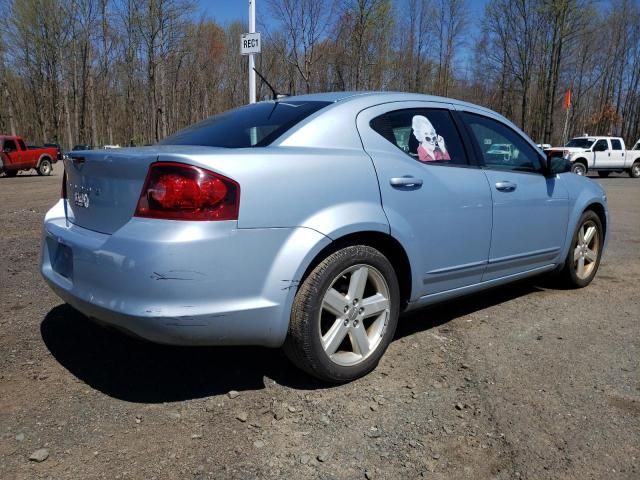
581,160
583,192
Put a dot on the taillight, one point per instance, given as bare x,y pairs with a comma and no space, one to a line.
63,190
176,191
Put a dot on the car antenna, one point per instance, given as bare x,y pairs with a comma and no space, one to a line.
276,95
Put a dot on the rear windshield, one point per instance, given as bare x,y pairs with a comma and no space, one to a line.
253,125
580,143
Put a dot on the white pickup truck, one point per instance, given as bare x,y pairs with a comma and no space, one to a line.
601,154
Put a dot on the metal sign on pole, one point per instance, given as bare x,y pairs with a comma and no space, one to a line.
250,43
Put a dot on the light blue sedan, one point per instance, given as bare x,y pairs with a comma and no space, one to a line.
312,222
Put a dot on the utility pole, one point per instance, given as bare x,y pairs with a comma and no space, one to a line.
252,73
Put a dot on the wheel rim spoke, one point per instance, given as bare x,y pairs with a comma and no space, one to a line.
581,266
359,340
581,236
334,302
357,283
588,236
591,255
374,305
334,337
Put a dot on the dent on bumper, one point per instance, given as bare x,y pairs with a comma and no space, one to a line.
182,283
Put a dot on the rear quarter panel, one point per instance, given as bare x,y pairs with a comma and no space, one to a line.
631,156
32,157
333,191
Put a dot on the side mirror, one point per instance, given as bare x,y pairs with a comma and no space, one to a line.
557,165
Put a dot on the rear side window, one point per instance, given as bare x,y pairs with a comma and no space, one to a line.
616,144
426,134
255,125
500,146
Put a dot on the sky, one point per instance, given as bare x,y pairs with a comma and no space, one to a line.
224,11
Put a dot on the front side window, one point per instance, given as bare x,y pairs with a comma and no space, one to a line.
255,125
601,146
500,146
426,135
9,145
616,144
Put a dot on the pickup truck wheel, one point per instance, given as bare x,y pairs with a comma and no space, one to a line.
578,168
45,167
583,259
604,173
344,315
634,171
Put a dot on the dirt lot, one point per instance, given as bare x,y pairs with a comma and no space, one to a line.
522,382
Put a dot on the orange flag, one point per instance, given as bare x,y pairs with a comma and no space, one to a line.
567,99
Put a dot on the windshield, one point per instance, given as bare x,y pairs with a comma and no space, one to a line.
255,125
580,143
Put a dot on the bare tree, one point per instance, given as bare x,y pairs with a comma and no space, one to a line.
305,22
134,71
452,19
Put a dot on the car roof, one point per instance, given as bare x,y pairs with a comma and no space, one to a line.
336,121
591,137
377,97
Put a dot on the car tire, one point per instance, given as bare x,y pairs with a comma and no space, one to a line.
603,173
634,171
583,258
344,315
578,168
11,173
45,167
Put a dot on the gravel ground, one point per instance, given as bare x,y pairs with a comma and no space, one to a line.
521,382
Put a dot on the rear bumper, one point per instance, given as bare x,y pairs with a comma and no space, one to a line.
180,283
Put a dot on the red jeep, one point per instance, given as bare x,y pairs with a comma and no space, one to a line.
15,156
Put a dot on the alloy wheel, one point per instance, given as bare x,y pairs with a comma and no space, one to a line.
585,254
354,315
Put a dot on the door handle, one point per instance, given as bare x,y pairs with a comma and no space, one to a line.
405,181
505,186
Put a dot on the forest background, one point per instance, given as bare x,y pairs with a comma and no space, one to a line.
134,71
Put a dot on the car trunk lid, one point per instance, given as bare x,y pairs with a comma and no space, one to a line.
103,187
